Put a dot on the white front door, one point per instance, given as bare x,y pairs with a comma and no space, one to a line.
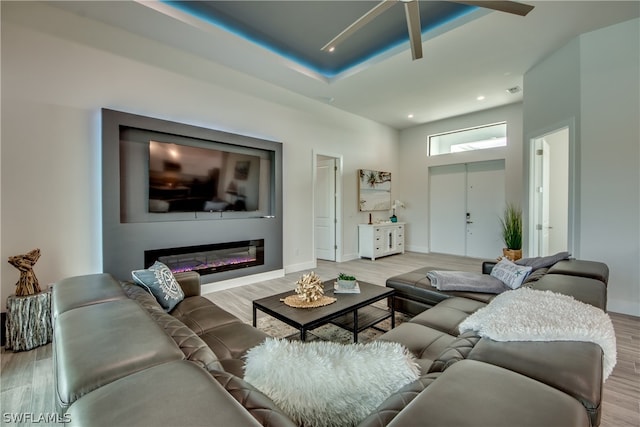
325,210
466,202
485,206
447,208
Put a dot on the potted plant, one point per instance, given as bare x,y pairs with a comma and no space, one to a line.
346,282
512,232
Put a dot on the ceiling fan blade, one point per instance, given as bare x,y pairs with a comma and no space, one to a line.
361,22
412,10
502,6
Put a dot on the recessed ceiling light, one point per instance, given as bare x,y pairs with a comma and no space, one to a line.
480,98
332,48
410,116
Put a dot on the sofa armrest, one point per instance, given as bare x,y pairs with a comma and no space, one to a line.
189,282
487,266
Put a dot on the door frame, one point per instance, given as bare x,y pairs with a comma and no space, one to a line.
338,197
573,214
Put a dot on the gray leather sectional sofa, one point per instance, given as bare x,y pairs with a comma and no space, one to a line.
121,360
570,370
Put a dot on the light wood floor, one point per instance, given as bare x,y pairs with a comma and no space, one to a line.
26,378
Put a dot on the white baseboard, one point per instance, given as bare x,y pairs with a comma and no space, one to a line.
419,249
241,281
349,257
310,265
632,308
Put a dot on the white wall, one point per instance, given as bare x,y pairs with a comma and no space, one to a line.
610,158
414,165
59,70
597,87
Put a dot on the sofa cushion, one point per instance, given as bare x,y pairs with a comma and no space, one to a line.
172,394
80,291
257,403
590,291
201,315
575,267
159,281
98,344
570,366
424,342
456,351
472,393
192,346
395,403
230,343
447,315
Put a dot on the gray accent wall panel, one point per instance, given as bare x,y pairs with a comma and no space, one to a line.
124,242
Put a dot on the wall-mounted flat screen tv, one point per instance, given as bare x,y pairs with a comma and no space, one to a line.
184,178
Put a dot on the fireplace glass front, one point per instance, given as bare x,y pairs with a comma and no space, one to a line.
209,259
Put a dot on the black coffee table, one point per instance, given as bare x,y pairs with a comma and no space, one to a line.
352,312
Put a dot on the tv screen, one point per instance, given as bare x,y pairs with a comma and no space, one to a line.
185,178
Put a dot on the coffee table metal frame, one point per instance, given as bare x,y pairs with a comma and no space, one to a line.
351,311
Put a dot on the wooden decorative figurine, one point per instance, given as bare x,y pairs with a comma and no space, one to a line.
28,282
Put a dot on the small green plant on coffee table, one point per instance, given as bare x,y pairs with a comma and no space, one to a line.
346,281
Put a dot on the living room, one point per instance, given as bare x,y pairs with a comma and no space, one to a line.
60,69
56,206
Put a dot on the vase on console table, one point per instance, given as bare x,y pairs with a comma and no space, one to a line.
396,204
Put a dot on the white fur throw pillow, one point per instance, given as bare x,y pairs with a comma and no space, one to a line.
323,384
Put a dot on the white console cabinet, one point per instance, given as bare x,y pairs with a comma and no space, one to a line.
378,240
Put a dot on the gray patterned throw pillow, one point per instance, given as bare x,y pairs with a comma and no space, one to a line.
161,283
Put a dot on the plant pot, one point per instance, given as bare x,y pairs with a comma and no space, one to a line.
346,284
512,254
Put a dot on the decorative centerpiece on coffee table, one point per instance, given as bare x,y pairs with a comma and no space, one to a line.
309,293
346,284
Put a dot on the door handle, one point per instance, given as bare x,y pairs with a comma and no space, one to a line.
469,222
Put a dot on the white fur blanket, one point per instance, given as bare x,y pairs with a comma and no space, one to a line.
527,314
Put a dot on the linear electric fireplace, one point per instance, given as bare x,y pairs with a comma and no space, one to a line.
209,259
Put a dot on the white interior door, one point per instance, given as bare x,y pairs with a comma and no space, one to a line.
545,191
325,210
558,223
447,209
550,219
485,205
466,202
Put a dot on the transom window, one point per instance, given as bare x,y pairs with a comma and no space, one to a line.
477,138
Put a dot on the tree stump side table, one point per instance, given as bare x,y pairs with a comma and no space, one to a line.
28,321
